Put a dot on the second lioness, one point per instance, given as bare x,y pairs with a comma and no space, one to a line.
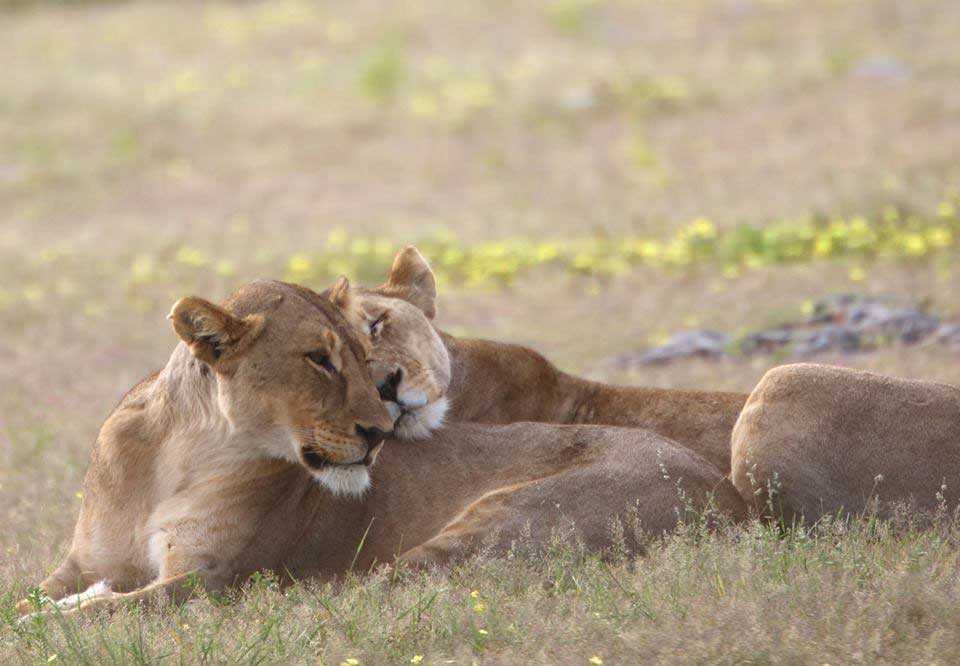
495,382
493,483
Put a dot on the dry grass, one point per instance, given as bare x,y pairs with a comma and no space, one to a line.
247,132
866,592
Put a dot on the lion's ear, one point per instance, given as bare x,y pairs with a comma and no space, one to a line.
339,293
212,333
412,280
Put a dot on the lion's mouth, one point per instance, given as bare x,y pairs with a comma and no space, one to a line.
317,462
419,421
342,479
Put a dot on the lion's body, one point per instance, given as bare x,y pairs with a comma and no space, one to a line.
204,470
501,481
494,382
438,501
828,439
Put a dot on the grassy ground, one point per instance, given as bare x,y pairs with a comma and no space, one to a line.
153,150
870,593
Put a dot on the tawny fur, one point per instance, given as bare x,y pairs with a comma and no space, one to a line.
199,473
827,439
198,469
495,382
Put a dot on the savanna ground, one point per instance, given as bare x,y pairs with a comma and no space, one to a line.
587,176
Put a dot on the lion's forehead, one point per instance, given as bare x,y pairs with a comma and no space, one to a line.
297,315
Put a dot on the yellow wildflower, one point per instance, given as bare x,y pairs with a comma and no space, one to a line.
703,227
823,246
225,268
191,256
299,263
337,238
914,245
940,237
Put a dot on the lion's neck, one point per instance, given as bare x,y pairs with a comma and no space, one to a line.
183,405
184,394
496,382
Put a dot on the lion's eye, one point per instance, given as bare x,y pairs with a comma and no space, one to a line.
377,324
322,360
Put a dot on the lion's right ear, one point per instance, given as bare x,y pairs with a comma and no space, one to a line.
412,280
212,333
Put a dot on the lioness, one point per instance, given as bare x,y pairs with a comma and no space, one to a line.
191,473
208,469
494,382
814,439
524,475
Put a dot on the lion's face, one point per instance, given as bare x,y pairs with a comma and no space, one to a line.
409,362
286,360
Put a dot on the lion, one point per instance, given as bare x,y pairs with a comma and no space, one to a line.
261,446
815,440
521,478
200,468
504,482
495,382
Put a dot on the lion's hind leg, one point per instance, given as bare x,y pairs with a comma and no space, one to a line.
497,520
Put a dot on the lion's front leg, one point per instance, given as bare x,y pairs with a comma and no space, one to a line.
68,579
184,563
178,589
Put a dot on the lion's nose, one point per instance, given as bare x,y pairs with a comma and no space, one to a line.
388,389
372,436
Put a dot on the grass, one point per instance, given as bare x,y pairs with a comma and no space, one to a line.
861,591
588,178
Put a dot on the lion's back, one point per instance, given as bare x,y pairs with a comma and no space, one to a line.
824,438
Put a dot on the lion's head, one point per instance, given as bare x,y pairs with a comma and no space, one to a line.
410,364
286,360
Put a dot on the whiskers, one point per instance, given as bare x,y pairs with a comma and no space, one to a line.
306,435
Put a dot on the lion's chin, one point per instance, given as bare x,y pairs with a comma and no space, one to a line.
344,480
420,422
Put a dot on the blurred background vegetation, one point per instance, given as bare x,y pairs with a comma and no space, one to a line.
698,163
646,166
588,177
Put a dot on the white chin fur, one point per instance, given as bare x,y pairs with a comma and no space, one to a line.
419,423
348,481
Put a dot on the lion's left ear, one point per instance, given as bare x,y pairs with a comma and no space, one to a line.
339,293
412,279
212,334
